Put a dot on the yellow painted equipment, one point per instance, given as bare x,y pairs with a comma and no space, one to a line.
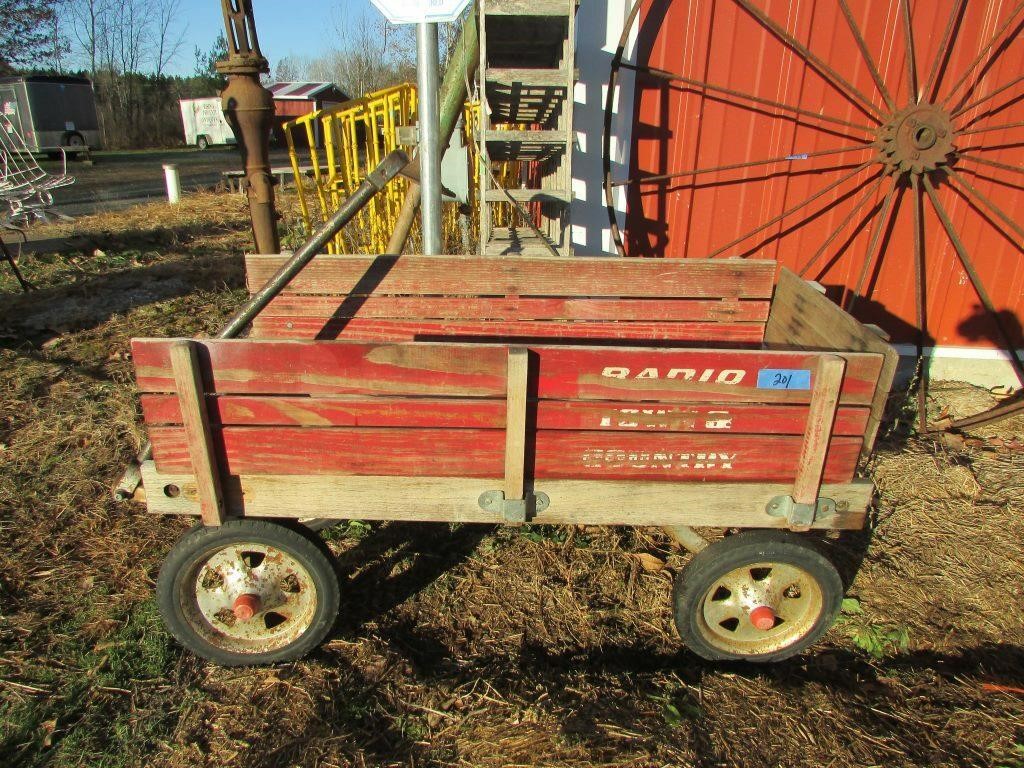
356,136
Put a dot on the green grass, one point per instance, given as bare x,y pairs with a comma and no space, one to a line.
107,708
878,640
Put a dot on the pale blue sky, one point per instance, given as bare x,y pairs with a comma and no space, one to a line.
285,27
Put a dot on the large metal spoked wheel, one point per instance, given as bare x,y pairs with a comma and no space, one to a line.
759,596
913,141
249,592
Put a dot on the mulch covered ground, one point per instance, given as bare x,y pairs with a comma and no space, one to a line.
458,646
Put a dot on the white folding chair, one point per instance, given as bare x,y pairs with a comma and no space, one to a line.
26,190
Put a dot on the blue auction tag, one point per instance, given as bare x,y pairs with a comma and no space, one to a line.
783,378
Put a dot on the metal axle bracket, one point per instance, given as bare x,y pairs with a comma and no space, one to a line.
514,510
800,515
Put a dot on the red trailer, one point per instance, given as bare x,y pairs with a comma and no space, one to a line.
675,393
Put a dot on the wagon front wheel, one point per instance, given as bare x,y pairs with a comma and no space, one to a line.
249,592
758,596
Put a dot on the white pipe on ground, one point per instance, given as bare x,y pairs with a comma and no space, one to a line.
173,184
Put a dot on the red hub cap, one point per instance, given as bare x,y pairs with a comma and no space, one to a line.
762,617
246,606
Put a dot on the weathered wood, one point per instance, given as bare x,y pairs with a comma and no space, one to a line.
373,329
814,449
515,422
522,276
592,502
481,413
802,317
196,430
480,453
563,372
515,308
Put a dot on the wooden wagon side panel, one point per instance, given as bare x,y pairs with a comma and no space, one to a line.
480,453
512,277
802,317
682,415
418,298
630,374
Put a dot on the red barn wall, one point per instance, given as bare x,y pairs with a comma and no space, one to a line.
679,127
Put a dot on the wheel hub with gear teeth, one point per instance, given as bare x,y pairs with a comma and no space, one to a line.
917,139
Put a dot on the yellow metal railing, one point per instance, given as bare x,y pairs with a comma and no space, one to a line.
353,138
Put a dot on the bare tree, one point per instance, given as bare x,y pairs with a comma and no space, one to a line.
168,33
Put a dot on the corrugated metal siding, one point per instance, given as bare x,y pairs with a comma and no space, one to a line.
678,127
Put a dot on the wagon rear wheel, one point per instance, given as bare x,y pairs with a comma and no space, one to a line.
758,596
249,592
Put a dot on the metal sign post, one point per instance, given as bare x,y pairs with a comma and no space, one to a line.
427,14
430,149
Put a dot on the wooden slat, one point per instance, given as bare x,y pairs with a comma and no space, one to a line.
802,317
473,308
477,413
529,8
821,415
454,500
245,366
515,422
526,195
522,276
525,137
513,77
364,329
196,431
480,453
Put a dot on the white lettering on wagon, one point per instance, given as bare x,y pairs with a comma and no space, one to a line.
617,458
666,419
725,376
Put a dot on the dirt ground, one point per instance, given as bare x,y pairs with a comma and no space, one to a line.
458,646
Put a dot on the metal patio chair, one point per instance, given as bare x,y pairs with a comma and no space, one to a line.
26,190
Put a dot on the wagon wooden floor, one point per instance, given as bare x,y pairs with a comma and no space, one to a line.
464,647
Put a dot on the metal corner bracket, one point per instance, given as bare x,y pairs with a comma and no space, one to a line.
801,515
514,510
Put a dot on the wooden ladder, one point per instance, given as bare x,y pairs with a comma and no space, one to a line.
528,71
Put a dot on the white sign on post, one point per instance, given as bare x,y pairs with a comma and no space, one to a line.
419,11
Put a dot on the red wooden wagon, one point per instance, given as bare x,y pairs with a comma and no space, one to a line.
673,393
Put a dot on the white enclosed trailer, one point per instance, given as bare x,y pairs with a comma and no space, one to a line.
204,123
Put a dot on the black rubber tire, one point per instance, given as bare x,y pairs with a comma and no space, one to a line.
75,141
202,143
200,542
693,583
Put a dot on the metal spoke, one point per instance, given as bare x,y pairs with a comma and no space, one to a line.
792,210
663,74
983,99
993,163
984,51
842,225
968,265
717,611
993,147
919,299
873,245
954,176
1004,126
872,68
784,575
737,166
908,35
851,93
944,50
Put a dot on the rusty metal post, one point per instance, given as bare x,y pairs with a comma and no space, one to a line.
249,108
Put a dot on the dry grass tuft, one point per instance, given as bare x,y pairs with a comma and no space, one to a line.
462,646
